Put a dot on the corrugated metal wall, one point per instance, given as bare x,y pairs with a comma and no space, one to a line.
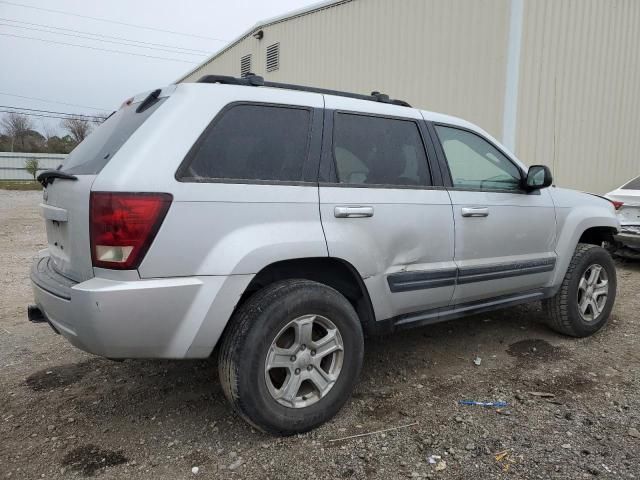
439,55
12,164
579,83
579,97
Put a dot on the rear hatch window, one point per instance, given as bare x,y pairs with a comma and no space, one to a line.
91,156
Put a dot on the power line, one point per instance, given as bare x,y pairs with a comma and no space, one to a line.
47,116
52,101
97,48
113,21
50,111
97,39
205,52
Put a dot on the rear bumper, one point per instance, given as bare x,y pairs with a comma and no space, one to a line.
156,318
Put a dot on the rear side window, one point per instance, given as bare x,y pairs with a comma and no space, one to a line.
378,151
633,184
91,156
251,142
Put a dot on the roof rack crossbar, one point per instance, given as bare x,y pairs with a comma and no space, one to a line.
252,80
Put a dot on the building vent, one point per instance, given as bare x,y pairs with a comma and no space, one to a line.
245,65
273,57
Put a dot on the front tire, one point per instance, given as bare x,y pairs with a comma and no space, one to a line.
584,302
291,356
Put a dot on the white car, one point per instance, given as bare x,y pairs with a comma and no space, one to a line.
626,199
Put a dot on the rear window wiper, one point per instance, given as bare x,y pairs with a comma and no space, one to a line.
47,177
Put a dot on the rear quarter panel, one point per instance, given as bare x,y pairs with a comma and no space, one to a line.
229,229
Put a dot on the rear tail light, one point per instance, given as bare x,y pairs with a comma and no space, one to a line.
617,205
123,225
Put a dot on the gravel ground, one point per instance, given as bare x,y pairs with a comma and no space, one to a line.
67,414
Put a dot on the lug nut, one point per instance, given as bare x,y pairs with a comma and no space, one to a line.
313,352
297,371
303,347
293,358
309,367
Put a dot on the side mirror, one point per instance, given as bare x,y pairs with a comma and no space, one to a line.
538,176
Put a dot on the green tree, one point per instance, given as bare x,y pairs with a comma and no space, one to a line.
56,144
31,166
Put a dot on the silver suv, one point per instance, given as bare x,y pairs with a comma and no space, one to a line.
282,224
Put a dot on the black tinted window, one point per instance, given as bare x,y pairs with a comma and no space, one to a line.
253,142
378,151
101,145
633,184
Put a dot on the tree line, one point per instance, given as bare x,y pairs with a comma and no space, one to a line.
18,133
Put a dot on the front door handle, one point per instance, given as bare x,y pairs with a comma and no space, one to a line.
344,211
475,212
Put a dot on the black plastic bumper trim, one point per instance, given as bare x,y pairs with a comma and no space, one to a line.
496,272
408,281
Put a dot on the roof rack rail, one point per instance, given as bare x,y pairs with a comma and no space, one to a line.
251,80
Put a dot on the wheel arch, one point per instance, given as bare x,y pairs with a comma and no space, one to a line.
331,271
597,235
588,224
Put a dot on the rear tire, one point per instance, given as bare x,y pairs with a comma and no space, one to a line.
581,308
274,348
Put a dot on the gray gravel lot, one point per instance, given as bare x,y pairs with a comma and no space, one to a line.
67,414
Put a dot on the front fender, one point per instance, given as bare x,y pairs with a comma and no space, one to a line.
572,222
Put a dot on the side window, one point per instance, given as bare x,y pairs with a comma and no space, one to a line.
378,151
252,142
475,163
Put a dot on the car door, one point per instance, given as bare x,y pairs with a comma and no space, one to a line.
379,209
504,236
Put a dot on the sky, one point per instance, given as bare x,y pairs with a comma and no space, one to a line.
90,81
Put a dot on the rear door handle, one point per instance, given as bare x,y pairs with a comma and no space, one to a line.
475,212
344,211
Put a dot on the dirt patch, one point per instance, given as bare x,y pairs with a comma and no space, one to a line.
89,459
535,349
197,458
378,405
577,382
571,383
57,377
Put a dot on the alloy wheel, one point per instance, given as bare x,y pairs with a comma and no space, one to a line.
593,291
304,361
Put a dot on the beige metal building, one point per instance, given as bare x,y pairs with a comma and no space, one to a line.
558,81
